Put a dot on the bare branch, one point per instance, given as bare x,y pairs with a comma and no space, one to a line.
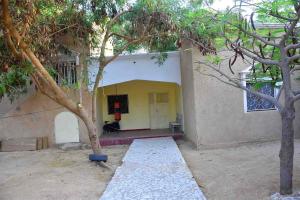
203,46
297,68
257,58
254,35
218,78
241,86
296,92
292,46
290,29
252,55
296,98
293,58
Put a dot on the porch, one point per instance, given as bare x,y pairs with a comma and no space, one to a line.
126,137
149,97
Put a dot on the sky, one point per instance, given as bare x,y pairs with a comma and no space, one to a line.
222,4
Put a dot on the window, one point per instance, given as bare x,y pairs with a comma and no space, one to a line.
255,103
123,99
66,73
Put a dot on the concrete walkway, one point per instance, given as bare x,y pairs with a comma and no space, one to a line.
153,169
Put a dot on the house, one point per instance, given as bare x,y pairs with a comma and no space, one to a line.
152,95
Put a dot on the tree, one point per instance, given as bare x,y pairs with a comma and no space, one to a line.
275,54
29,33
24,29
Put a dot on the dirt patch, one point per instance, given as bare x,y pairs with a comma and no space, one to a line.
247,172
55,174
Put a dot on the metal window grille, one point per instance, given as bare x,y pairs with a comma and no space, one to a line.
255,103
66,73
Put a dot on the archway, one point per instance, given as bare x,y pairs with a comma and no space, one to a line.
66,128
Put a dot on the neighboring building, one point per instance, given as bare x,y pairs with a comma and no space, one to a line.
151,96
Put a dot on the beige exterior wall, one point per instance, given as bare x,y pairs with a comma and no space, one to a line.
6,105
219,109
188,92
33,114
35,118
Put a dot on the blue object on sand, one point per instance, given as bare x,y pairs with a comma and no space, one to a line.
98,158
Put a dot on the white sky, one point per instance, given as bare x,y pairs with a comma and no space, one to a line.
222,4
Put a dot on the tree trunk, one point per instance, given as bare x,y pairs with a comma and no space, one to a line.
95,91
92,131
287,152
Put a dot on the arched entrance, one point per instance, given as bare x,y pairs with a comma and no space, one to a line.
66,128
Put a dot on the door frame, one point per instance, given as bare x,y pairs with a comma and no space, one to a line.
155,103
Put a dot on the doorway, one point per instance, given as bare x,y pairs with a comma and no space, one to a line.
159,110
66,128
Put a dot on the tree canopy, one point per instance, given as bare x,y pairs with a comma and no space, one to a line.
42,23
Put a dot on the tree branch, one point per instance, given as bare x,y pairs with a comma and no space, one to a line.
251,55
292,46
297,68
118,16
11,45
128,39
218,78
257,58
238,84
296,98
254,35
294,57
296,92
70,26
290,29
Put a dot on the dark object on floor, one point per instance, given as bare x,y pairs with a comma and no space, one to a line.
98,158
111,127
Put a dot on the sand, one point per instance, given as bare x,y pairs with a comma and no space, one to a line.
55,174
246,172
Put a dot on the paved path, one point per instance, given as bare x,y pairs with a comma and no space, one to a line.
153,169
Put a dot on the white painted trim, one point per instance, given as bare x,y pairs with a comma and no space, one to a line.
243,75
244,82
137,67
140,55
259,25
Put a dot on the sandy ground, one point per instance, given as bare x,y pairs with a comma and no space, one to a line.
55,174
247,172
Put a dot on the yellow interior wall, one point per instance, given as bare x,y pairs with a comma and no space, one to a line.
178,93
138,102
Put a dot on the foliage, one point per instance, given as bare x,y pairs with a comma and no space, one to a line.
43,23
14,80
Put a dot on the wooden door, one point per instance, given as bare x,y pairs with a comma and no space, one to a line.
66,128
159,110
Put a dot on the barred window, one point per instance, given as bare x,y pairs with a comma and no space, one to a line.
255,103
66,73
